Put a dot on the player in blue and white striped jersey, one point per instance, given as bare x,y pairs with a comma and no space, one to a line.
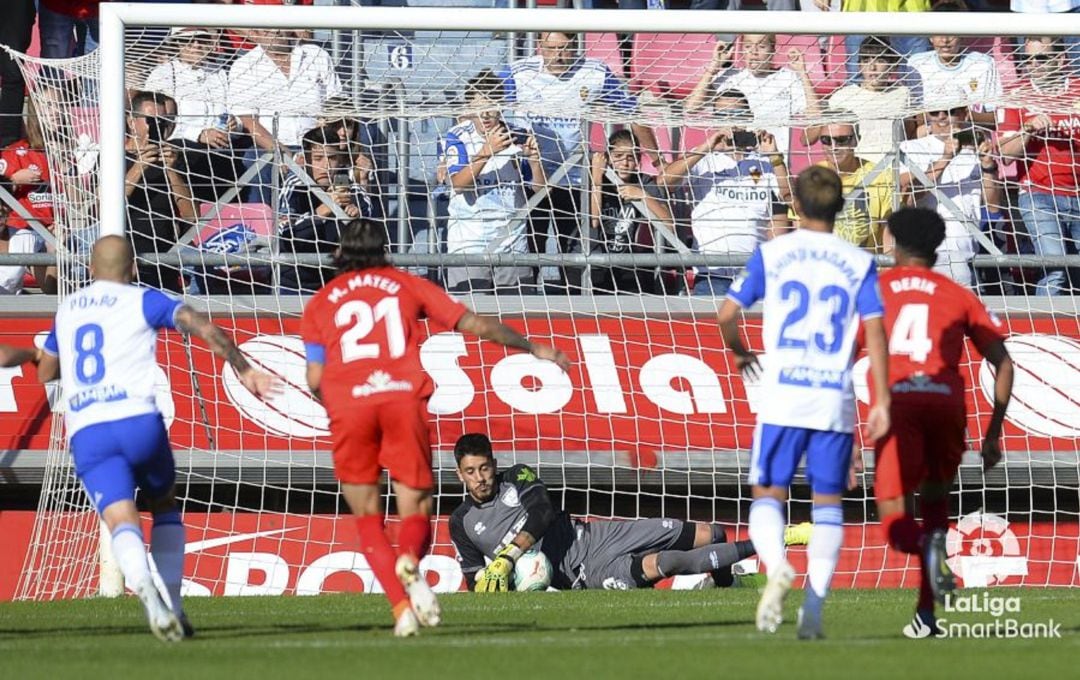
103,347
490,165
815,287
553,91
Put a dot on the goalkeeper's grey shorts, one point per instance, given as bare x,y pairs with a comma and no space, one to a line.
606,549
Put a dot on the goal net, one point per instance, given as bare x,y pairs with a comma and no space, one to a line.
596,186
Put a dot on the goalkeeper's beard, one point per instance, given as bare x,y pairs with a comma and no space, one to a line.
484,493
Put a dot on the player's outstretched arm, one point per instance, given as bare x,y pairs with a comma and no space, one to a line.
198,324
745,360
491,329
877,347
10,357
999,357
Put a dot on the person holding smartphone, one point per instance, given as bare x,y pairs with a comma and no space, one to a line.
625,207
157,186
963,180
491,167
739,188
313,215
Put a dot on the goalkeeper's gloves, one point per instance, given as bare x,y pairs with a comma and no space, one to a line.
495,578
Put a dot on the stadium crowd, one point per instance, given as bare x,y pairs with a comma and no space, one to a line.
236,144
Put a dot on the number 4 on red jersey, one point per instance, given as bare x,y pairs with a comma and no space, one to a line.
927,317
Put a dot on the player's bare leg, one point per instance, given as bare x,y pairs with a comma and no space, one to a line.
767,533
122,519
366,504
415,506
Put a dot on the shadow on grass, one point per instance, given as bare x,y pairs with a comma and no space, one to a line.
492,628
211,632
204,632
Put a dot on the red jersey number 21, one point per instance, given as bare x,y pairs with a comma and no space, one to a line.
909,334
361,318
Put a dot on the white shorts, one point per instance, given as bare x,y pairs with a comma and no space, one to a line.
22,241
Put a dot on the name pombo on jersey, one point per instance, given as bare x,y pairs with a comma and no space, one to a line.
88,302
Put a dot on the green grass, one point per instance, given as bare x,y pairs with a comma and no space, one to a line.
638,634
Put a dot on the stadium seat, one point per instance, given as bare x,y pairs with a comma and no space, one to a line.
235,229
691,137
825,82
605,47
1000,50
800,155
669,65
233,223
663,141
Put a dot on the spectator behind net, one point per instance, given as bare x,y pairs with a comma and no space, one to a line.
618,225
159,204
311,223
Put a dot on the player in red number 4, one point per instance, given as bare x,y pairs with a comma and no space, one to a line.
362,334
927,316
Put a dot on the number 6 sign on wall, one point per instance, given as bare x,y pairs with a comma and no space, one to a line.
400,57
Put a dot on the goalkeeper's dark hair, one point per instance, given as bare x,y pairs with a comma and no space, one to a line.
819,193
918,232
363,246
472,444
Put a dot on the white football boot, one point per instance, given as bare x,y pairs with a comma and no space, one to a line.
424,602
770,610
163,623
406,625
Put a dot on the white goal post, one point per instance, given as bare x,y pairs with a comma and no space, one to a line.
117,16
653,419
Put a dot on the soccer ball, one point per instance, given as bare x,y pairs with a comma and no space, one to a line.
532,571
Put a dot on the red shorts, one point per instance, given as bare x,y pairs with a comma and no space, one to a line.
391,435
926,442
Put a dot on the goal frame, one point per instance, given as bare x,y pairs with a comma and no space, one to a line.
116,17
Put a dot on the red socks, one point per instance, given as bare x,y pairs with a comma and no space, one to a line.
380,556
902,532
935,514
414,536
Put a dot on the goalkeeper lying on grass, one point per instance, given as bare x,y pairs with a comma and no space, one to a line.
505,514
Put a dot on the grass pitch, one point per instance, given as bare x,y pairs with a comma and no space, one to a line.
637,634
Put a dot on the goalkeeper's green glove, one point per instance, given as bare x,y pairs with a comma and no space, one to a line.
495,578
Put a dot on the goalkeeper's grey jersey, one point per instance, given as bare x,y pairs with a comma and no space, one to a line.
481,530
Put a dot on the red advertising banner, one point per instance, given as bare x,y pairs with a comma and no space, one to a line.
275,554
638,386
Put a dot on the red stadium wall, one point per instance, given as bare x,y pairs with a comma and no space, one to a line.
676,389
638,386
274,554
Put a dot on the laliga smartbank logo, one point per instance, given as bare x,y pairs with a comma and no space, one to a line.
965,616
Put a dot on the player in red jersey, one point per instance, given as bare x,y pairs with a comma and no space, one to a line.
362,334
928,316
